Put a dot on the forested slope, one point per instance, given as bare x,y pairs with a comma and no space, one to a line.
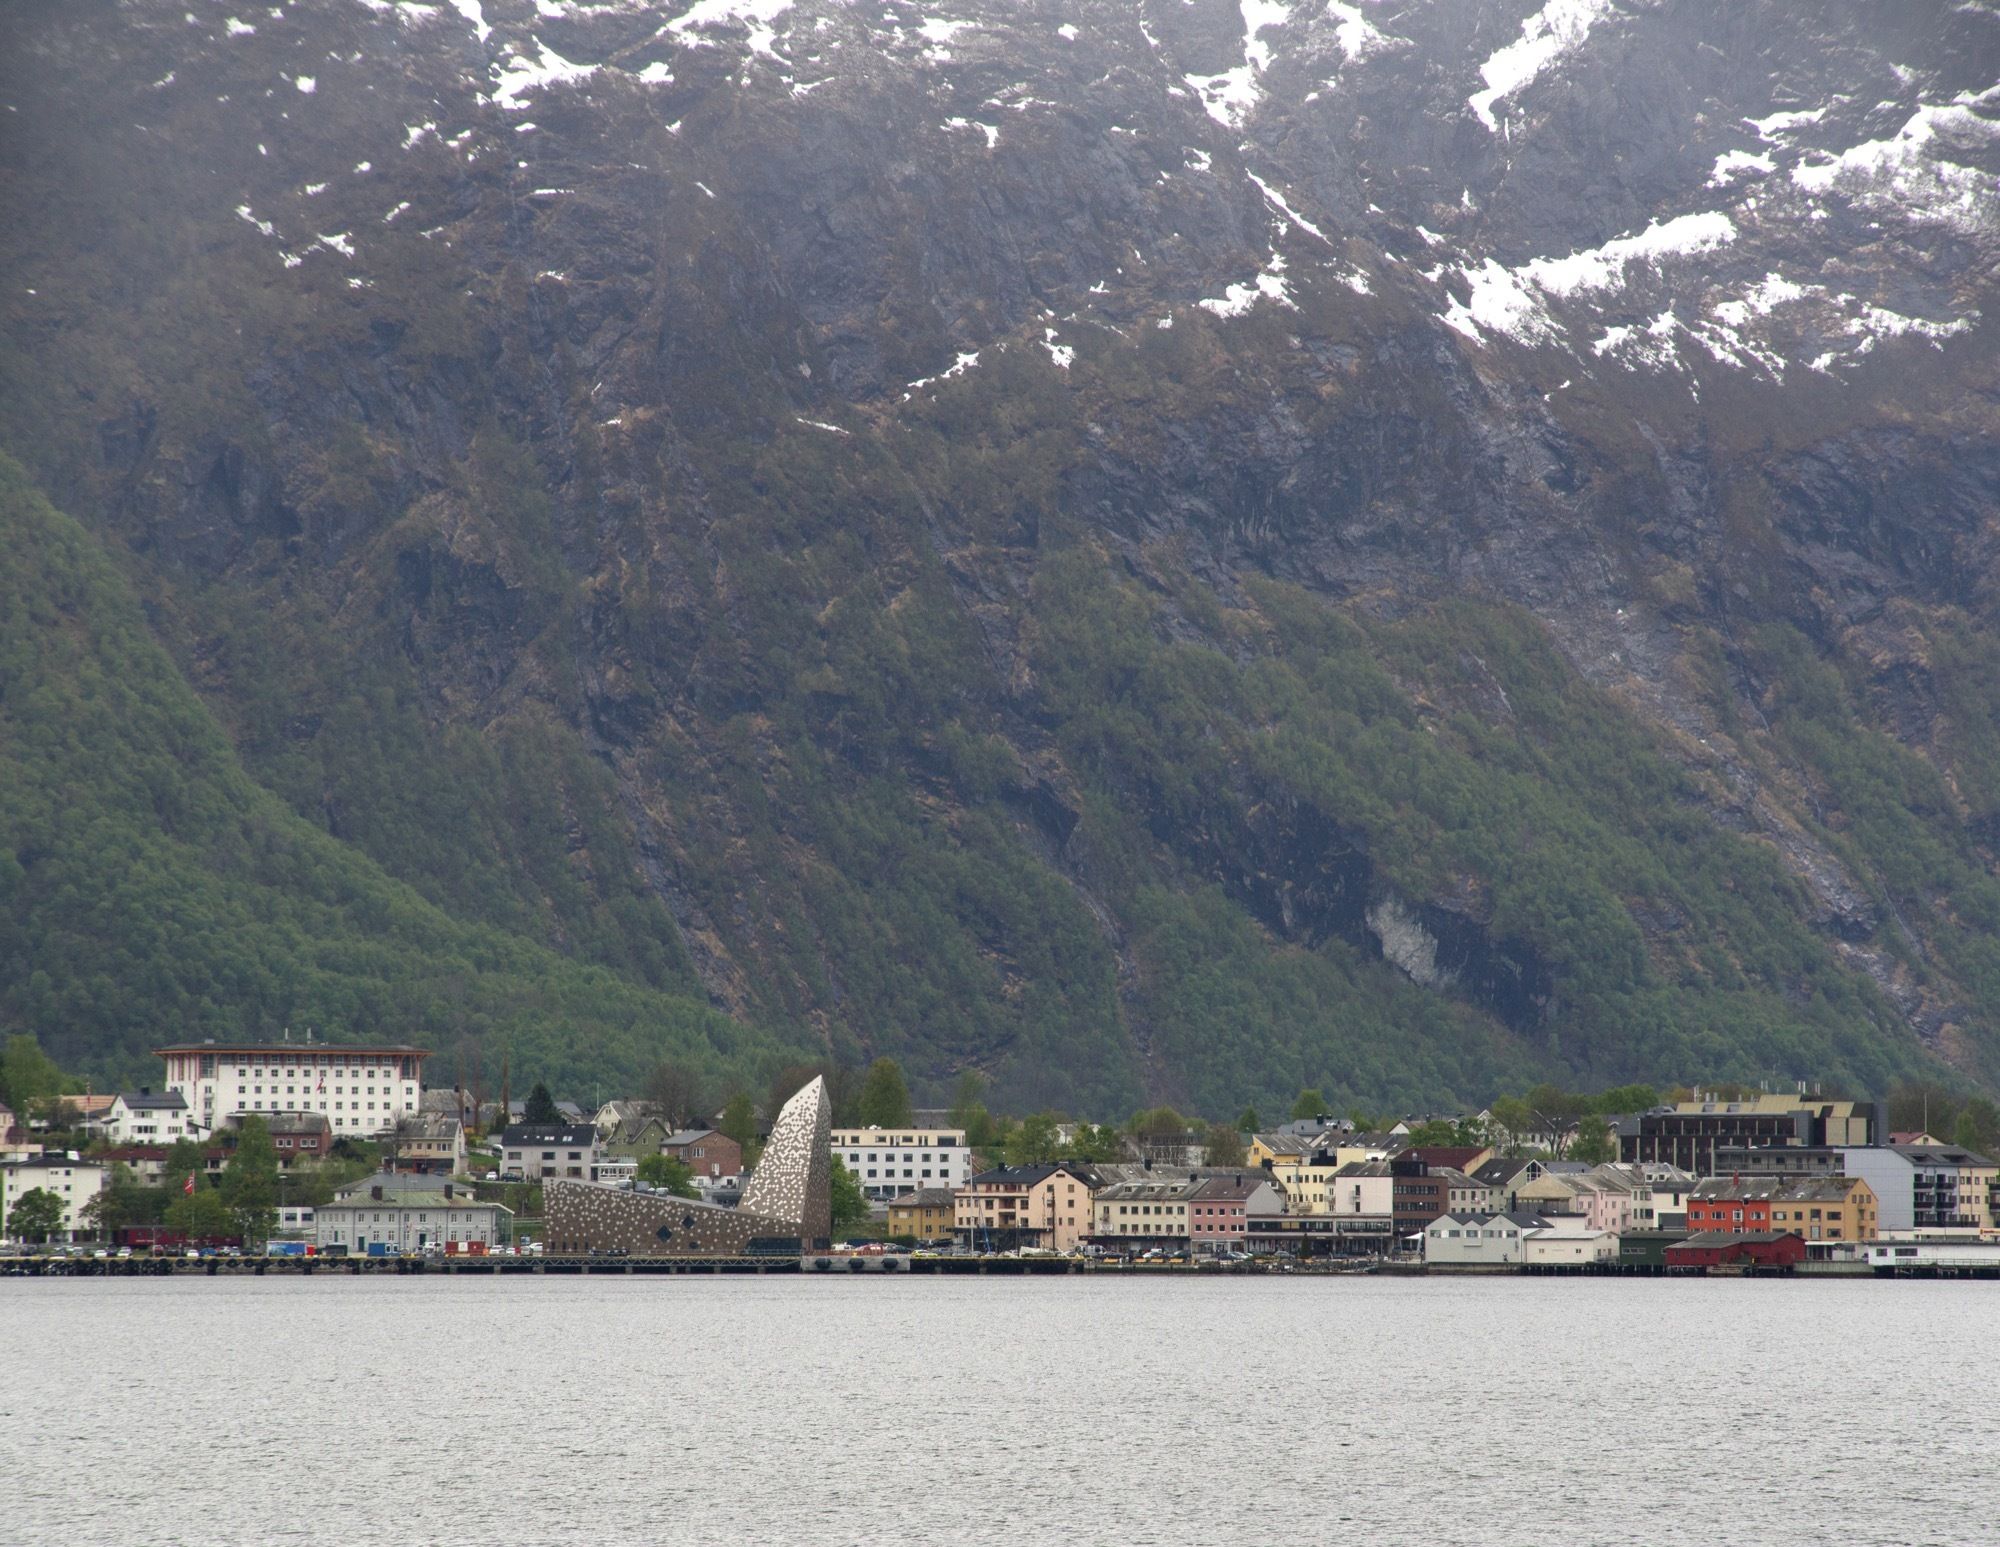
151,891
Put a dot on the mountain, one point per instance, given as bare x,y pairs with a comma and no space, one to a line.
1155,550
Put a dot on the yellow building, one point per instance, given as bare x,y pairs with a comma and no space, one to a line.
1307,1184
925,1215
1281,1154
1826,1208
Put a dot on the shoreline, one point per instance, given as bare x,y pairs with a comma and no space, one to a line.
888,1267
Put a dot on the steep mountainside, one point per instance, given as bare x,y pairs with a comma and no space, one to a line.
1153,549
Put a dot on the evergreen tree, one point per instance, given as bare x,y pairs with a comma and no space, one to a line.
541,1107
250,1182
885,1099
1248,1121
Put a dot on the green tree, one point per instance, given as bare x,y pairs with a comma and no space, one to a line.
1556,1112
28,1076
885,1098
1437,1132
1624,1100
37,1214
1517,1125
1035,1140
665,1171
850,1205
201,1216
250,1181
1099,1144
1225,1146
541,1107
184,1159
1310,1103
1593,1144
739,1122
122,1201
968,1110
1249,1122
1978,1126
967,1098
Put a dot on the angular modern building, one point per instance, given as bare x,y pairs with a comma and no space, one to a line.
1689,1133
787,1206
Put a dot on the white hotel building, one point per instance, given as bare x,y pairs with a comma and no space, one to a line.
361,1091
889,1162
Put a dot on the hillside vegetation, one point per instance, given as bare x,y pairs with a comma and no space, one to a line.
151,891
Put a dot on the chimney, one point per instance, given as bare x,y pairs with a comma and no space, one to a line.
375,1192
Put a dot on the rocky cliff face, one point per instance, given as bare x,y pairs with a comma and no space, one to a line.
1126,545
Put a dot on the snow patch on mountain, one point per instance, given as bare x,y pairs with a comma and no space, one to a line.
1500,302
1278,202
1603,268
521,75
1357,36
1906,175
473,12
1558,28
1268,285
1739,163
756,15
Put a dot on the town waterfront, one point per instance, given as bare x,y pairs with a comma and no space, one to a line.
811,1410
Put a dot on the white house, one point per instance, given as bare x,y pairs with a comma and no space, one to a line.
1523,1240
1362,1187
531,1152
361,1091
1468,1240
386,1212
1564,1247
889,1162
146,1117
74,1182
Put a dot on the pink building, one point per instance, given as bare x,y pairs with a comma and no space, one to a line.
1219,1212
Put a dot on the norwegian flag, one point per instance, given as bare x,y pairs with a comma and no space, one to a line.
188,1186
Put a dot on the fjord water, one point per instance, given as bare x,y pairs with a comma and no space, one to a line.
807,1410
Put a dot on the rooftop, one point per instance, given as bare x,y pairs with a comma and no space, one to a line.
295,1049
579,1134
924,1198
151,1101
1940,1155
1150,1192
294,1122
